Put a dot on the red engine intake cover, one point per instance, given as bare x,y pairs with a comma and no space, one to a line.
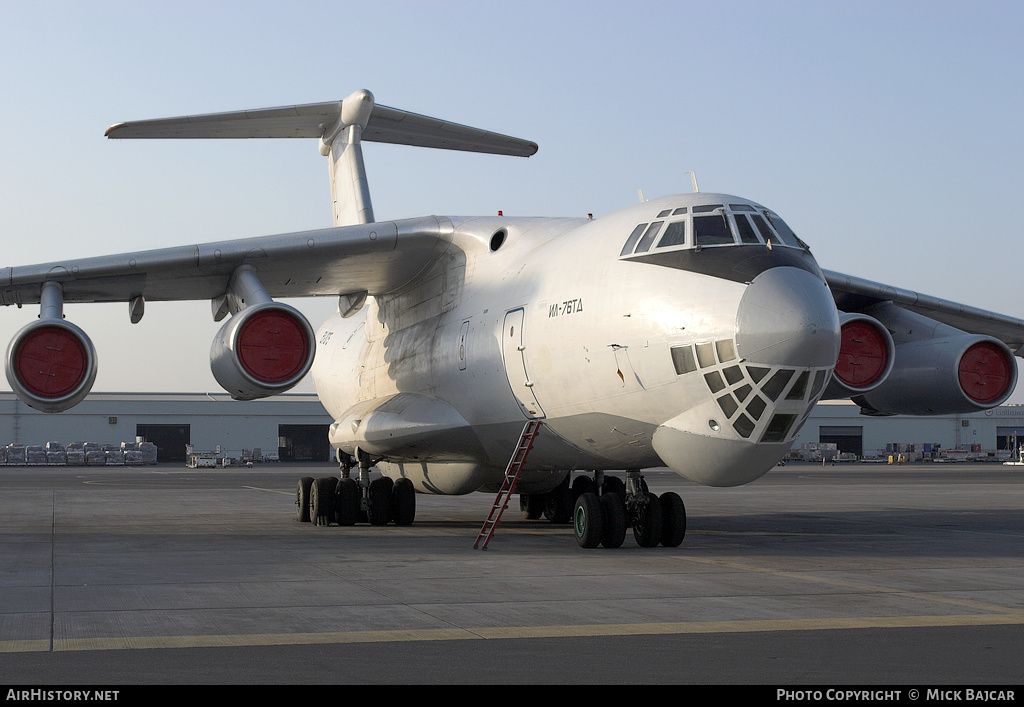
984,373
272,346
863,355
51,362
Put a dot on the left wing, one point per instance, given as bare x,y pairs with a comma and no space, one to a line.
903,352
854,294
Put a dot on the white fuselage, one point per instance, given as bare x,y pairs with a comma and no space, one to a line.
632,361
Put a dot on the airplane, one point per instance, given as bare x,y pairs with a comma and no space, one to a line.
694,331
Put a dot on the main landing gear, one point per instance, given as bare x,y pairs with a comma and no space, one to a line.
346,501
605,507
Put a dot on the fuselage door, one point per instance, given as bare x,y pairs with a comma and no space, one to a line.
513,351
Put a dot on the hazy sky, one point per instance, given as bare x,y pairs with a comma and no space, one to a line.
888,134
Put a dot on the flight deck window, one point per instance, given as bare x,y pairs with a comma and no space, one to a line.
766,232
786,234
633,238
675,234
648,239
747,234
711,230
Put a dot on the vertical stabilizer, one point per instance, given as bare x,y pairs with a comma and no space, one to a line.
342,145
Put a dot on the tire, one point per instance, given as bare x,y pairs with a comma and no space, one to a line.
673,528
648,523
588,521
346,506
403,502
302,499
614,509
380,501
321,497
531,505
558,505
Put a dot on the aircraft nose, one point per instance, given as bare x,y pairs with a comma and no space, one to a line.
787,317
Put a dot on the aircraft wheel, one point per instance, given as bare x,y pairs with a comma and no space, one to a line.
320,497
673,512
346,500
558,505
648,523
614,509
588,520
380,500
302,499
403,502
531,505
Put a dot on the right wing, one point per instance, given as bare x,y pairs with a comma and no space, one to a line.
377,258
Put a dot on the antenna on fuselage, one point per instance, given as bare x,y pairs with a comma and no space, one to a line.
640,193
693,178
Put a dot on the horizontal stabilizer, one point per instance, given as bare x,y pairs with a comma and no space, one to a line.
313,120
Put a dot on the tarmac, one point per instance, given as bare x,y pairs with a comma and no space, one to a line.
851,574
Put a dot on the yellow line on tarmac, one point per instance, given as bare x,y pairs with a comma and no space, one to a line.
507,632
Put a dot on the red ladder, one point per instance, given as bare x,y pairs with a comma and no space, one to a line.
515,465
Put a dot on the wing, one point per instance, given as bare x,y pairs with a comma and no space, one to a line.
854,294
376,257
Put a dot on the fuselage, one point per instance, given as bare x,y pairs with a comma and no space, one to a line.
692,331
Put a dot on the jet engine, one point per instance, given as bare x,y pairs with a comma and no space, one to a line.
263,350
946,375
866,356
51,365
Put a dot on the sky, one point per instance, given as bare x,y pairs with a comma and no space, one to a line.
887,134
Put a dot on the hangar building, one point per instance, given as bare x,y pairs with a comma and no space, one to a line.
295,425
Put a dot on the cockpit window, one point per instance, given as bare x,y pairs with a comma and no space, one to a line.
741,207
706,208
675,234
764,229
648,239
747,234
627,247
711,230
786,235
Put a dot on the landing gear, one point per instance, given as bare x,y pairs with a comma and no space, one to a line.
605,507
556,505
346,501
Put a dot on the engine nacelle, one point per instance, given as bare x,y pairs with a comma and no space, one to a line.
262,350
51,365
866,357
945,375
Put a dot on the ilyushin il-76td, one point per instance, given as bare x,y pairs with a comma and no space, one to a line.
525,355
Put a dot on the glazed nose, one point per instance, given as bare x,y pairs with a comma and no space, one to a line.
787,317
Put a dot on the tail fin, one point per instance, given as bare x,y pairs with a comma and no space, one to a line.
341,126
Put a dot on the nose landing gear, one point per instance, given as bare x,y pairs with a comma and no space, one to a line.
604,511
